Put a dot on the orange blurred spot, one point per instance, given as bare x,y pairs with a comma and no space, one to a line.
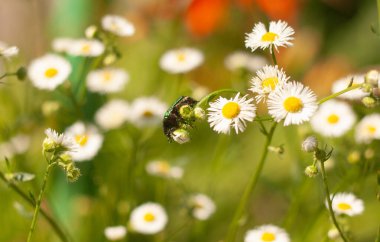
204,16
279,9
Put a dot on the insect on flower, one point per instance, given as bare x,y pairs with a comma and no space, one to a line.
173,119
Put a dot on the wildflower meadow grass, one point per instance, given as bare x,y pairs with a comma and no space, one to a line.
196,120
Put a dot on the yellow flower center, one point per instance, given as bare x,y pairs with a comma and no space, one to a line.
149,217
267,236
293,104
81,139
51,72
107,76
147,114
344,206
269,37
231,110
86,48
333,119
270,82
371,129
181,57
163,167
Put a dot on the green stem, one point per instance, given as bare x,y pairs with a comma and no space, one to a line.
232,231
378,235
273,56
354,86
378,16
205,100
7,74
31,202
329,203
38,204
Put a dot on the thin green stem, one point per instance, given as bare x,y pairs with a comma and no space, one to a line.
273,56
31,202
7,74
38,204
329,203
232,231
205,100
378,16
354,86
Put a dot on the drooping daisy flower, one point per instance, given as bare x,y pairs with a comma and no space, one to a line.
267,233
333,119
202,207
148,218
115,232
368,129
267,80
88,140
343,83
346,203
8,51
108,80
86,47
181,60
112,114
164,169
49,71
234,112
292,102
243,60
147,111
279,34
61,44
118,25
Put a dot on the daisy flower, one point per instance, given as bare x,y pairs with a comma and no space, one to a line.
49,71
202,207
115,232
292,102
368,129
267,233
118,25
88,141
181,60
333,119
20,143
243,60
148,218
147,111
346,203
85,47
342,84
279,34
61,44
164,169
267,80
8,51
54,140
107,80
234,112
112,115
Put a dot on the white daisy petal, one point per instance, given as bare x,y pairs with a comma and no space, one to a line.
113,114
368,129
147,111
148,218
267,233
346,203
107,80
85,47
181,60
240,59
115,232
164,169
343,83
118,25
202,206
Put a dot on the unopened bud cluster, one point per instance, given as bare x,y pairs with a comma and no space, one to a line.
371,86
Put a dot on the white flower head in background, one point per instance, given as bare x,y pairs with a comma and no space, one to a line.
202,207
279,34
368,129
266,233
115,232
333,119
86,47
113,114
8,51
267,80
49,71
346,203
88,141
107,80
17,145
224,114
292,102
61,44
148,218
181,60
118,25
162,168
243,60
147,111
341,84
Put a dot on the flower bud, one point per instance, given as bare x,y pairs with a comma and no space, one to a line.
199,113
310,144
311,171
66,158
369,102
48,145
186,111
109,59
277,149
367,87
91,31
353,157
21,73
372,78
72,172
181,136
